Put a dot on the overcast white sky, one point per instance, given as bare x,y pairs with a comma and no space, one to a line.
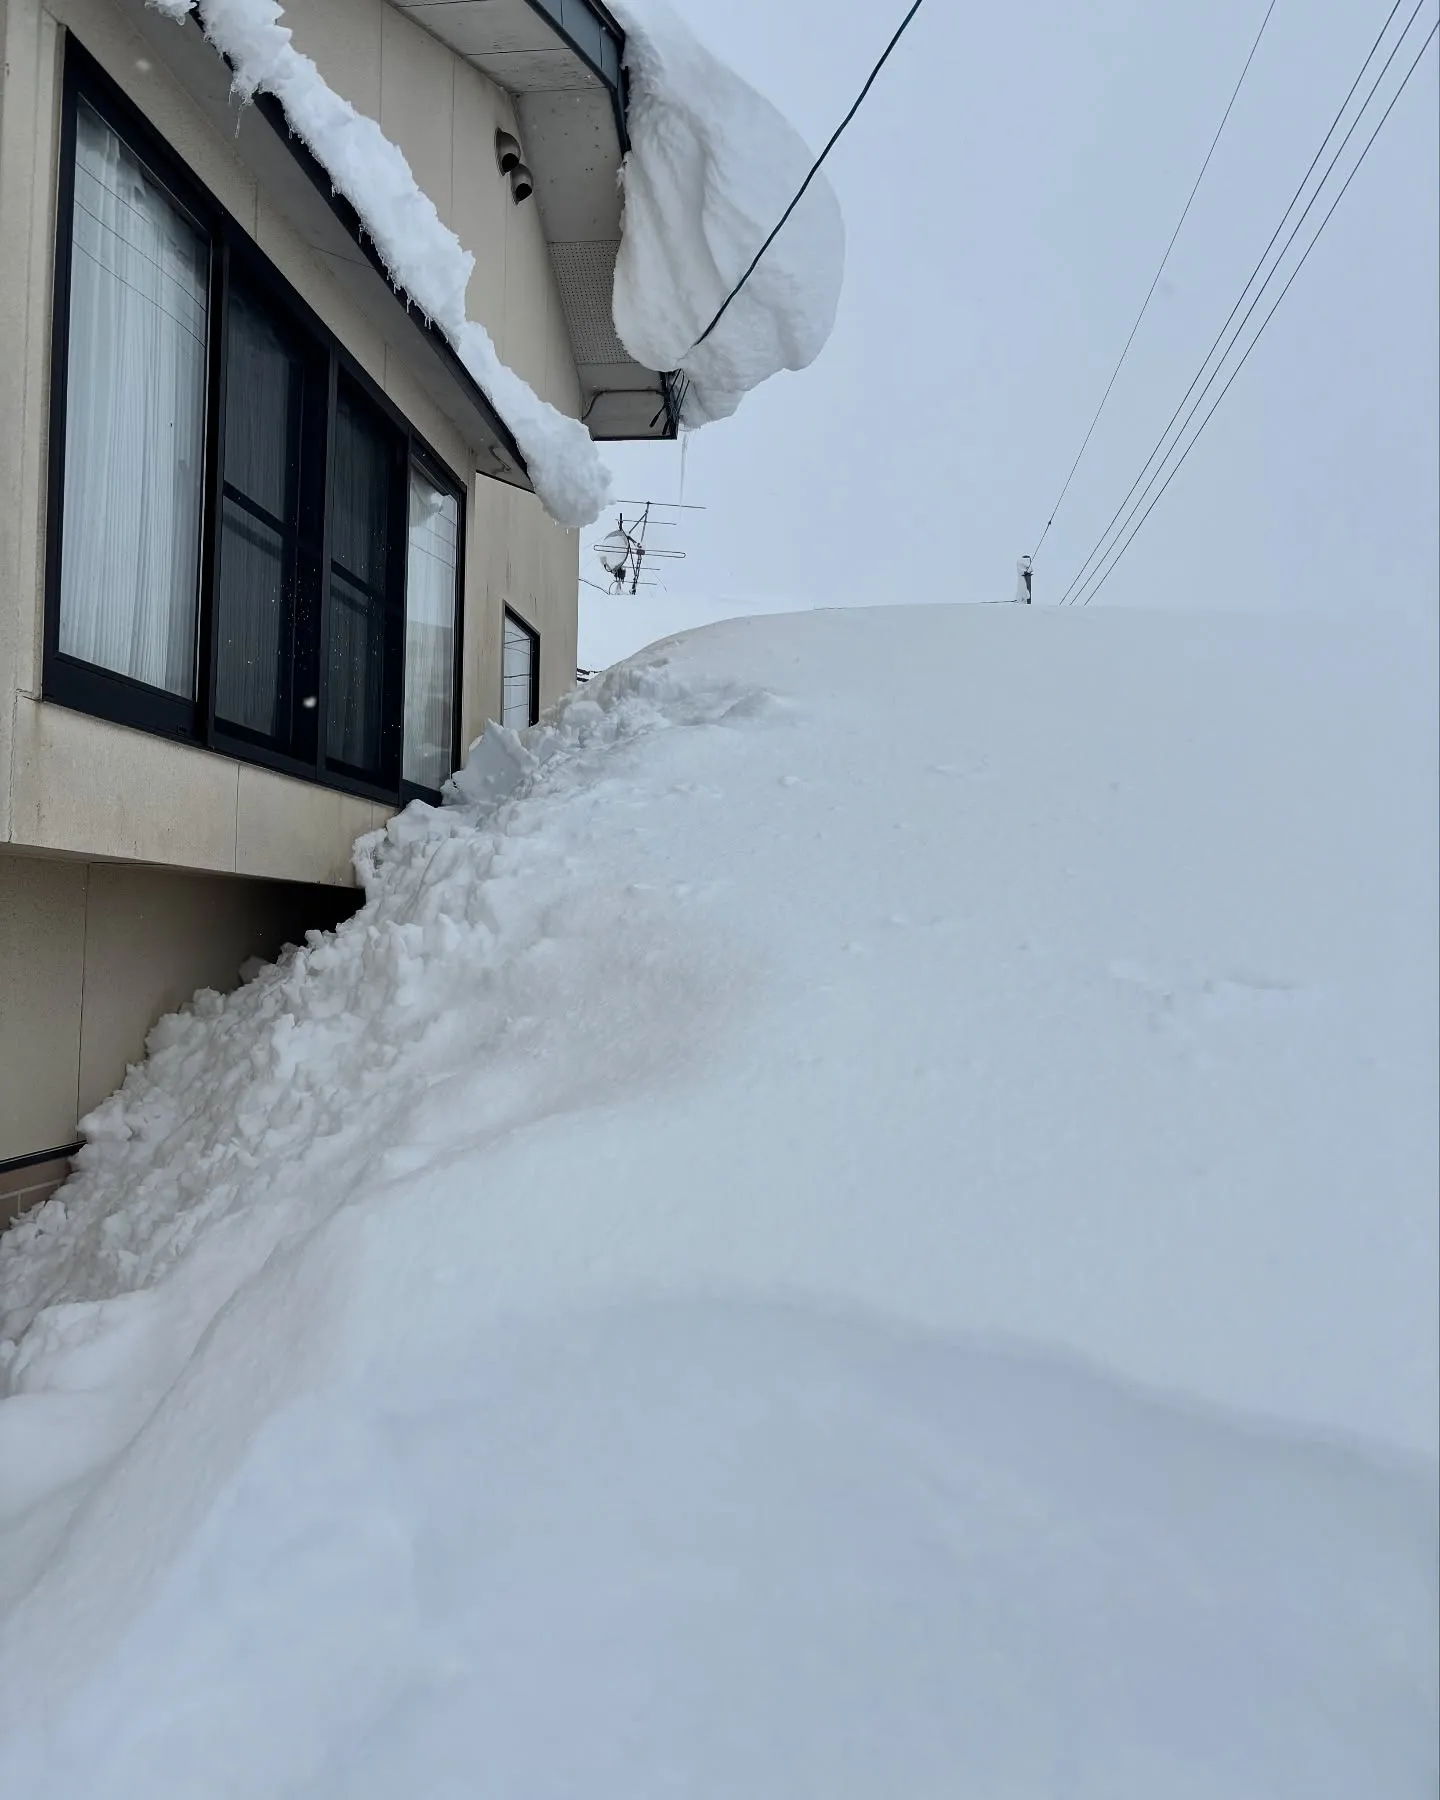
1008,189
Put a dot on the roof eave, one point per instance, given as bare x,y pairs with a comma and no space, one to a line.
297,183
500,439
562,64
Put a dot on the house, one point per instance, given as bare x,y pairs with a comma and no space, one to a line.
269,555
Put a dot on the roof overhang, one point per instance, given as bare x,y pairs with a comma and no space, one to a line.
297,184
562,61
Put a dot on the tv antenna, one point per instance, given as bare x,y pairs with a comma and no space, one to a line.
625,550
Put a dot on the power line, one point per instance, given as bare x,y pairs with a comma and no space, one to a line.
1095,589
1155,281
814,171
1101,548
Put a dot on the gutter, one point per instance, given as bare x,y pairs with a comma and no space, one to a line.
273,113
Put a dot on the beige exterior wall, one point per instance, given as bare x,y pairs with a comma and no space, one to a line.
92,954
73,784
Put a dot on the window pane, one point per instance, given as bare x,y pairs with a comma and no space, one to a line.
518,708
363,678
359,492
135,419
262,426
255,671
430,601
252,623
355,696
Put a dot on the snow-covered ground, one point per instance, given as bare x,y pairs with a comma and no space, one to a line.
859,1217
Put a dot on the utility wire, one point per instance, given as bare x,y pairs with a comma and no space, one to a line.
1265,321
814,171
1101,547
1155,282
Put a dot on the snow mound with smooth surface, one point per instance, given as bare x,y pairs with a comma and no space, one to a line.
424,257
711,168
651,1304
753,1551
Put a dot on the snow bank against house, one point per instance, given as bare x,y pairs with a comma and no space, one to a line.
711,169
424,257
856,1215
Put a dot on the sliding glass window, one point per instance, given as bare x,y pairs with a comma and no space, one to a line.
265,682
249,548
366,591
135,376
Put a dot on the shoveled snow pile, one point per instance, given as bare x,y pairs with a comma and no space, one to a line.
856,1216
423,256
711,169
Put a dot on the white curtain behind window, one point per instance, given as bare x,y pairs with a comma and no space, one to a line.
134,421
430,597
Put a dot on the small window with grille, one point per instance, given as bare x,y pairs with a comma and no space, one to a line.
520,705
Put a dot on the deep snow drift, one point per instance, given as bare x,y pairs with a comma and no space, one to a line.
650,1305
711,169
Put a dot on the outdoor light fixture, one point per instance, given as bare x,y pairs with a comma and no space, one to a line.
507,152
522,183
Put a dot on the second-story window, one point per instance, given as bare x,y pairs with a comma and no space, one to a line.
367,574
135,374
265,664
249,548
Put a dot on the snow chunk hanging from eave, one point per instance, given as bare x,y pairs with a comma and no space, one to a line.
424,257
712,167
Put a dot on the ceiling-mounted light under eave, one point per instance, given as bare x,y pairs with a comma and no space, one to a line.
522,183
507,152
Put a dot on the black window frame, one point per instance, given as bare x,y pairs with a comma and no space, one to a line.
440,476
235,258
510,616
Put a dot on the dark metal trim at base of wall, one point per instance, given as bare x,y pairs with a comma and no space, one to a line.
61,1152
47,1170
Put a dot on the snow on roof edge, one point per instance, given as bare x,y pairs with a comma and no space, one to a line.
423,256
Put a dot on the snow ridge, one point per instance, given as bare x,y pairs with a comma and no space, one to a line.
251,1105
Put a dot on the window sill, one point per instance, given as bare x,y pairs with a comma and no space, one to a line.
80,696
88,788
